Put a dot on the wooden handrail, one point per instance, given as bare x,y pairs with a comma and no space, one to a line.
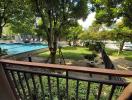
121,73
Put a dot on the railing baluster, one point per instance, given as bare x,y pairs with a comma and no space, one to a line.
67,85
100,90
27,83
42,87
12,84
112,92
15,82
49,85
21,83
29,59
88,91
58,89
35,88
77,86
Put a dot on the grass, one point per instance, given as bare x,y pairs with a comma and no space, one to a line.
76,53
125,54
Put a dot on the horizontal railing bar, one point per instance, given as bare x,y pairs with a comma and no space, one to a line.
107,82
101,71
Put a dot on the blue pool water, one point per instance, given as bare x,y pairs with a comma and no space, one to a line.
16,48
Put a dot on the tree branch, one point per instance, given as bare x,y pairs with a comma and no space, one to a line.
5,20
6,4
38,10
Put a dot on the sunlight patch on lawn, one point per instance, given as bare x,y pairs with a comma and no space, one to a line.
75,53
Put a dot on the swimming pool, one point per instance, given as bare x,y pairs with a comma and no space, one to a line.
16,48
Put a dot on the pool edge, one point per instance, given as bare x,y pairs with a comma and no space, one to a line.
24,54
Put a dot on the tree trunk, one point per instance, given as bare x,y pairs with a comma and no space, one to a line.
50,30
121,46
0,37
69,43
74,42
53,57
53,51
0,31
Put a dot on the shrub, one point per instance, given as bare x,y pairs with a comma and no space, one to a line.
3,52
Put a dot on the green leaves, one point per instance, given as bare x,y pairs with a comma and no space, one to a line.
108,11
81,9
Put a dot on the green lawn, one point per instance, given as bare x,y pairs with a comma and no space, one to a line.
126,54
75,53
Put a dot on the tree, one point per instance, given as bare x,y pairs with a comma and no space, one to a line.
55,15
122,35
109,11
92,33
23,20
4,13
73,34
15,13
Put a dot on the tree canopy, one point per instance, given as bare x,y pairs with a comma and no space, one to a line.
108,11
57,14
5,13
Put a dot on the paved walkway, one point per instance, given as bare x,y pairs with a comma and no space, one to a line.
121,63
76,63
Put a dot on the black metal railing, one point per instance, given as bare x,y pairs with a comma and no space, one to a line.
107,61
36,81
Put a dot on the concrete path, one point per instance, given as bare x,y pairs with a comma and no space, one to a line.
121,63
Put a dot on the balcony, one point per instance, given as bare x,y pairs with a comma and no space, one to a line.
38,81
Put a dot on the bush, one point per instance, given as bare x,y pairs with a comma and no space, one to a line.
3,52
90,57
91,47
96,46
6,38
86,44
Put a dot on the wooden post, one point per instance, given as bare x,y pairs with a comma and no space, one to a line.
6,92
